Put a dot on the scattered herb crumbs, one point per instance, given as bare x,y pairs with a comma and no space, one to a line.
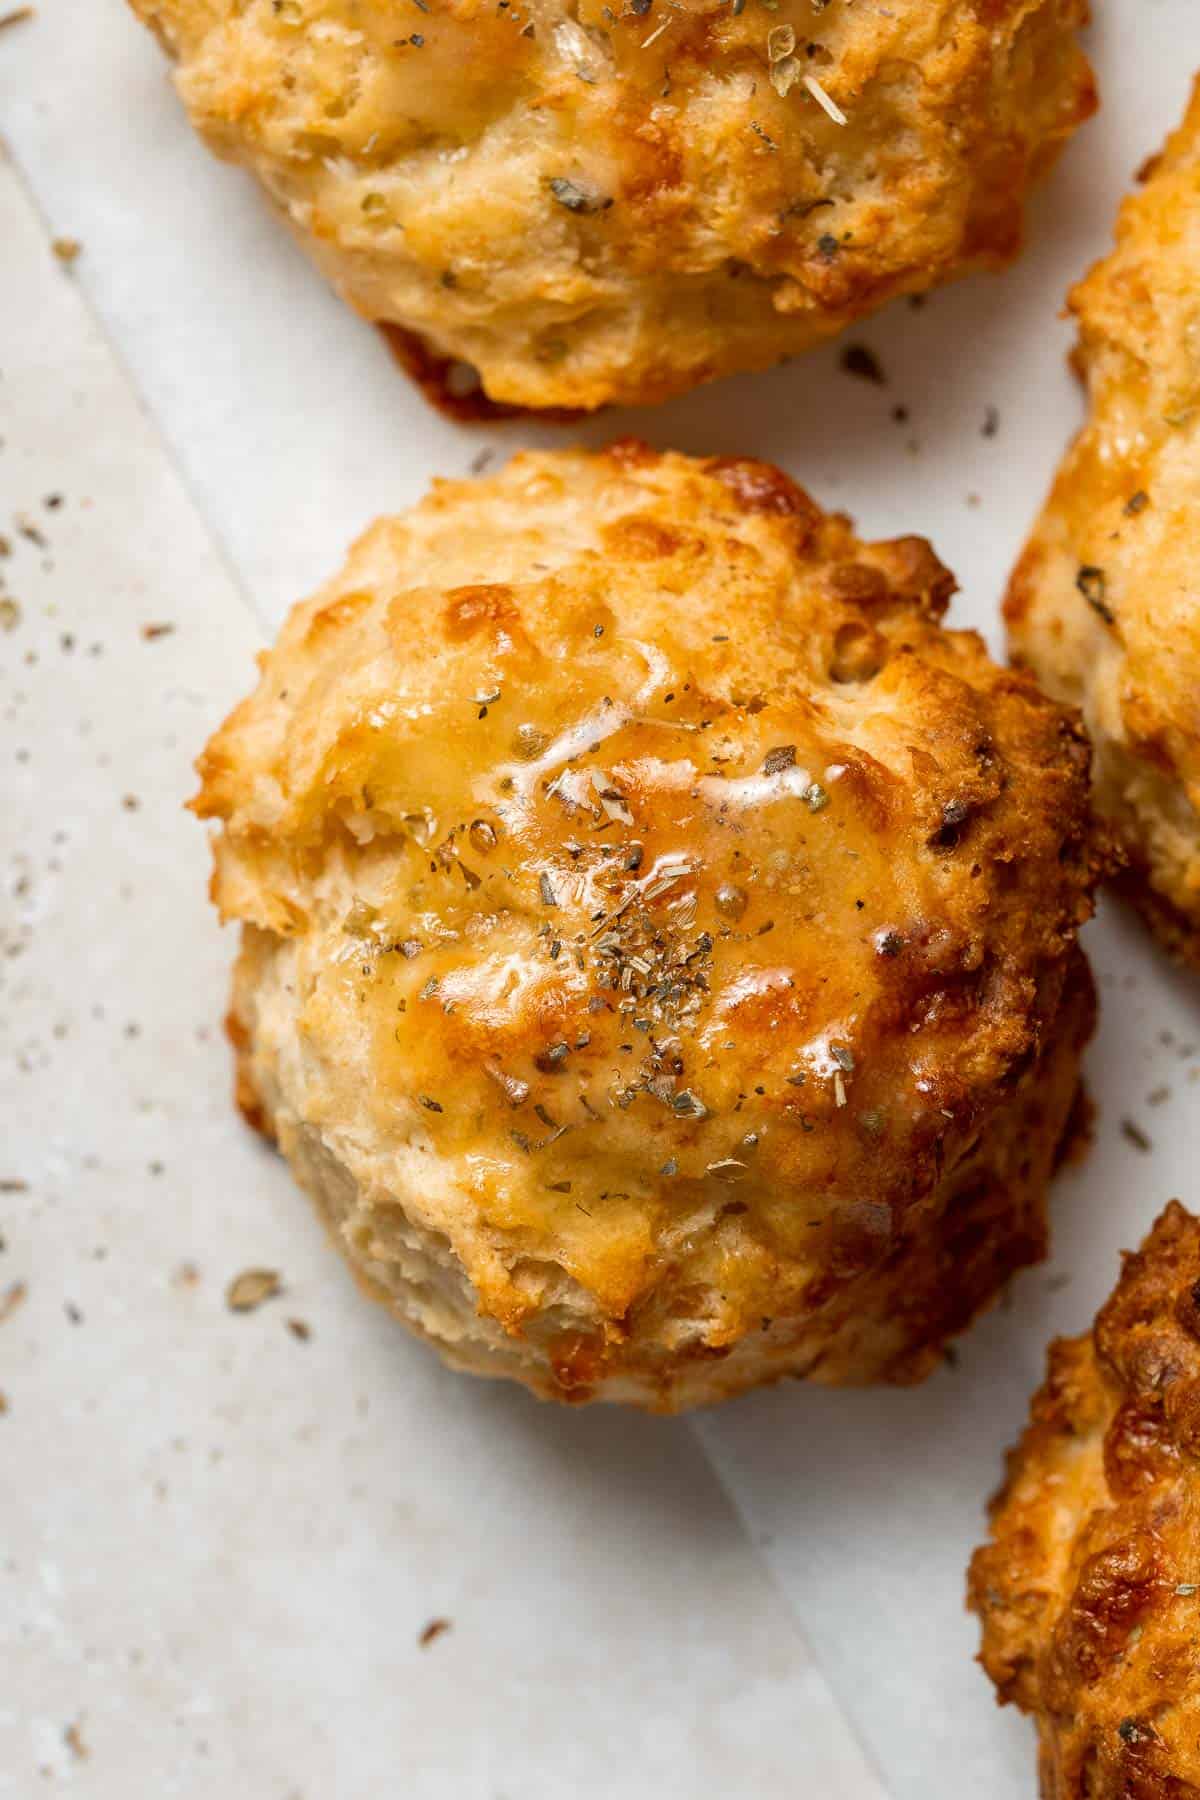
151,632
1093,585
546,890
1135,1135
782,757
784,74
577,199
858,359
433,1630
1137,503
300,1328
431,1105
251,1288
825,100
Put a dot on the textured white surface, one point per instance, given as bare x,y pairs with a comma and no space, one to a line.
220,1542
612,1630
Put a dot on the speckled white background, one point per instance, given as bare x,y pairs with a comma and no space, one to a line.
219,1543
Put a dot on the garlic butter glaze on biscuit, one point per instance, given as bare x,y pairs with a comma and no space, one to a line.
591,203
1105,603
1089,1589
659,958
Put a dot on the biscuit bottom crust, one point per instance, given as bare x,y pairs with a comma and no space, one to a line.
1177,930
887,1322
1088,1591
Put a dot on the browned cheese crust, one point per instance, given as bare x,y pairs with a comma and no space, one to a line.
1089,1592
660,933
590,204
1104,605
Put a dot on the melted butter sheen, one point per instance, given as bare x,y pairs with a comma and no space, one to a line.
574,1000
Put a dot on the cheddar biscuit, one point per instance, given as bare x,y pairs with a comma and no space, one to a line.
592,204
659,933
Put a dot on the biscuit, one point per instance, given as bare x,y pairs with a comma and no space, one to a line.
1088,1591
1104,605
588,204
659,955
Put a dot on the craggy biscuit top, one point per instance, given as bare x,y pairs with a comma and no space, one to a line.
643,837
592,203
1105,603
1089,1592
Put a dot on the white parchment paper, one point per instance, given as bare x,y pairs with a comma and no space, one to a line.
219,1543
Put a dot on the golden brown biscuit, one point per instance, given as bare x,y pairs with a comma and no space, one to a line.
1105,603
660,934
1089,1591
589,203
